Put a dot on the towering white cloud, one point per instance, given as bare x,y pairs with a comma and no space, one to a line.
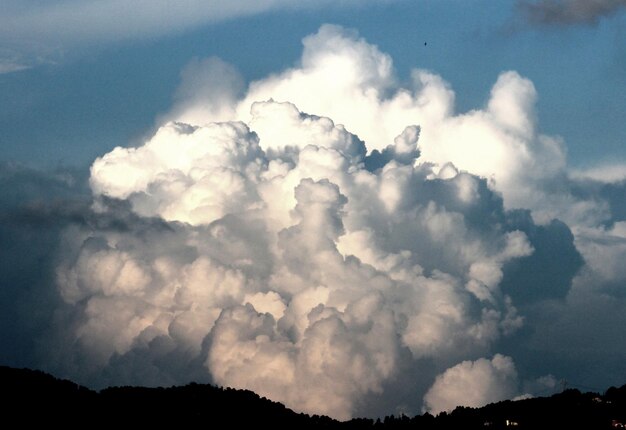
343,77
344,278
314,259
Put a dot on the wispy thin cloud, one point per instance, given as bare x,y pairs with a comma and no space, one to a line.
10,67
34,27
79,21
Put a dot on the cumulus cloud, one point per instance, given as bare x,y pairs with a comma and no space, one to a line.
567,12
343,77
311,258
304,273
308,272
473,384
313,236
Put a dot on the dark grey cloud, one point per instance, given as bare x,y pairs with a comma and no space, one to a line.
576,339
548,272
610,192
35,207
568,12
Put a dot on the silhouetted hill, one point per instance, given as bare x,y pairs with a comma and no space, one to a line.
34,397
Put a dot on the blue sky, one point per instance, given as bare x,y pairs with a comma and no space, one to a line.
246,193
85,94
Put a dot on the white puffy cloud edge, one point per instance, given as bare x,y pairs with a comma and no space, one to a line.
322,229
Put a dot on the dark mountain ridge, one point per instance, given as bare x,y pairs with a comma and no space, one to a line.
34,397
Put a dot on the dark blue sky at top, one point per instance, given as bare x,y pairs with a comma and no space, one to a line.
103,94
